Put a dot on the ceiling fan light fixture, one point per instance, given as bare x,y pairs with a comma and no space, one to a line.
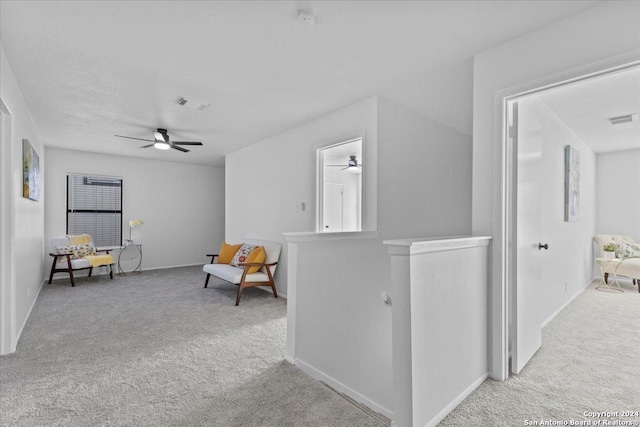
161,145
158,137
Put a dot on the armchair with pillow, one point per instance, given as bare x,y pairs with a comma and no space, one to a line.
73,253
248,264
627,250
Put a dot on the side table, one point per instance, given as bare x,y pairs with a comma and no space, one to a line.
130,259
609,266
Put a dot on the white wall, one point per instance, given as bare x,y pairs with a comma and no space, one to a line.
569,259
182,205
424,175
25,235
618,193
342,329
266,180
443,93
604,36
439,325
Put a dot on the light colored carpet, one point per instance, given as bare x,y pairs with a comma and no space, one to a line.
159,350
589,361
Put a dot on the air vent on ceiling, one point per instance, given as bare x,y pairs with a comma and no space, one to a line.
623,119
194,104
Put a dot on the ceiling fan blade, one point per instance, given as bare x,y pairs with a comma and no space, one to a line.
186,143
130,137
179,148
147,146
344,168
337,166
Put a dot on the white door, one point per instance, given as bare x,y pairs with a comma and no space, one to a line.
527,290
333,207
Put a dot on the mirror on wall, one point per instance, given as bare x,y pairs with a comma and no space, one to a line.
340,170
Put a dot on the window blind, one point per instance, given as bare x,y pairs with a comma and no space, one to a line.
94,207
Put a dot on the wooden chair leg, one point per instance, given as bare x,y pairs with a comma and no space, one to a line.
53,269
90,271
73,283
606,278
273,287
206,282
240,289
111,271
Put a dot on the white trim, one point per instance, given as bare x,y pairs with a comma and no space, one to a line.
292,280
26,319
309,236
289,359
503,264
546,322
8,338
173,266
455,402
437,244
320,179
318,375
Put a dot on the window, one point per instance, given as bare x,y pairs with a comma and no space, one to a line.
94,207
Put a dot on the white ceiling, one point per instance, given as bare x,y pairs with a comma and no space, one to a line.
89,70
585,107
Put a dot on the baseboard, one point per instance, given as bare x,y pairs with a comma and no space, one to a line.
289,359
563,306
338,386
172,266
26,319
455,402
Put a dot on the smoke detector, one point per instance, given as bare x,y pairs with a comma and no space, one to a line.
194,104
623,119
305,18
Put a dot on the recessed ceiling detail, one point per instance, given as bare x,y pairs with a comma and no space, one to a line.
623,119
194,104
305,18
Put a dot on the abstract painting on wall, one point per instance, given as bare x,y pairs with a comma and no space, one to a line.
30,171
571,184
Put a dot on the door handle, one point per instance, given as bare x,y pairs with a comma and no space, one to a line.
541,246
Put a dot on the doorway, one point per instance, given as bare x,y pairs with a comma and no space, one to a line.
548,259
339,198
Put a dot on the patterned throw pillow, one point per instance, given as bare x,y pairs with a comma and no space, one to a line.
80,251
242,254
64,250
627,250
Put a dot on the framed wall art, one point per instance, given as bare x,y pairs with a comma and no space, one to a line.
571,184
30,171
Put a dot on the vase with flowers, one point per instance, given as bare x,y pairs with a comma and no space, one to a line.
132,224
610,250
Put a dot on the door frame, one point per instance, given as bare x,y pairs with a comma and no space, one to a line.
504,265
320,181
7,221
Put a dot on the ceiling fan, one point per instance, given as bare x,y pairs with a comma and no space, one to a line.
161,141
352,164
